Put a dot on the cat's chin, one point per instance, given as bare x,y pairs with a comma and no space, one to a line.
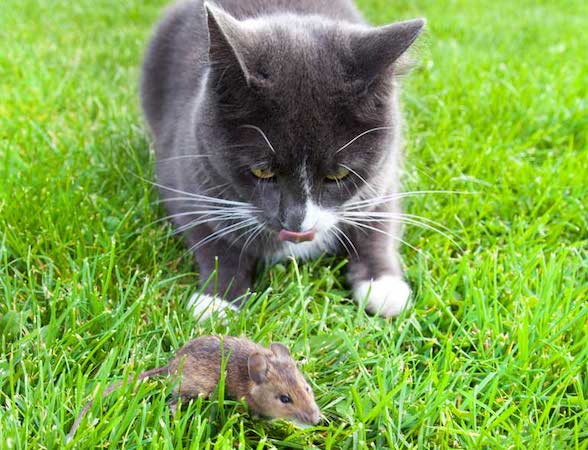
323,242
204,306
321,221
386,296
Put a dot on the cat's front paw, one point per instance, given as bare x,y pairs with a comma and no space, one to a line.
205,306
386,296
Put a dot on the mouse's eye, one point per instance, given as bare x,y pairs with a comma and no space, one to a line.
285,398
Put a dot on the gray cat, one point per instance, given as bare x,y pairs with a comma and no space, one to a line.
278,133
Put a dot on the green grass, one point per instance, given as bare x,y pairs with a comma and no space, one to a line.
493,355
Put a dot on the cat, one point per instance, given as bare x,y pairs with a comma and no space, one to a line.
277,133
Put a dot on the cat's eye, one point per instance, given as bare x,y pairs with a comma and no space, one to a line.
341,173
285,399
262,173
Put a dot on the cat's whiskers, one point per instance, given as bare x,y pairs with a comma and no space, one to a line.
369,186
376,201
338,232
382,215
200,213
360,136
194,223
354,185
260,131
187,200
224,189
202,220
211,210
254,234
243,234
207,210
220,187
335,233
199,197
222,232
356,224
407,219
220,201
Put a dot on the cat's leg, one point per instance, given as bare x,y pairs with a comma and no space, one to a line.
375,272
226,275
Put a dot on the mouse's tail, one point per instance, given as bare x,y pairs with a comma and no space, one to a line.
109,390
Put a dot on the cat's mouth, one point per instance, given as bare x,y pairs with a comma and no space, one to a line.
296,237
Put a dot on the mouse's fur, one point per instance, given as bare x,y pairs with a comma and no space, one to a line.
257,374
262,376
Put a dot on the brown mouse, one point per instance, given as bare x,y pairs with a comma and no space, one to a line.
266,378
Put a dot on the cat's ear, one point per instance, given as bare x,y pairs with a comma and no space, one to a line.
227,40
376,50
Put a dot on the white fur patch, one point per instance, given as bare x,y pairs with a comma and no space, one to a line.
387,296
205,306
322,221
303,250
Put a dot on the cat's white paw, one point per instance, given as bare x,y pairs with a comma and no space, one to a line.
386,296
204,306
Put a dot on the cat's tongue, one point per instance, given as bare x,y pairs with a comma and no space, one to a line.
296,237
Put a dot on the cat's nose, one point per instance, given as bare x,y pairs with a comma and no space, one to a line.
295,236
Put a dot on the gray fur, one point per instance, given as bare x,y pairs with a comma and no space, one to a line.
309,74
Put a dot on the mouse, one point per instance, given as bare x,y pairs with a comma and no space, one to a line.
266,378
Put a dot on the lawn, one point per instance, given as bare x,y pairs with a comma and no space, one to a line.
93,289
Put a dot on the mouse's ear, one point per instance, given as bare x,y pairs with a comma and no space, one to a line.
257,366
280,350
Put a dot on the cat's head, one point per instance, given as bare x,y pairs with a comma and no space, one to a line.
299,113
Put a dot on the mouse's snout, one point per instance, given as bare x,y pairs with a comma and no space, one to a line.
311,417
315,417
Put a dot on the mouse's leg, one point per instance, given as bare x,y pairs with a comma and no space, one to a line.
177,401
375,271
179,396
189,388
226,275
173,406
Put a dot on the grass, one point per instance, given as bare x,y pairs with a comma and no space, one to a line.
494,353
